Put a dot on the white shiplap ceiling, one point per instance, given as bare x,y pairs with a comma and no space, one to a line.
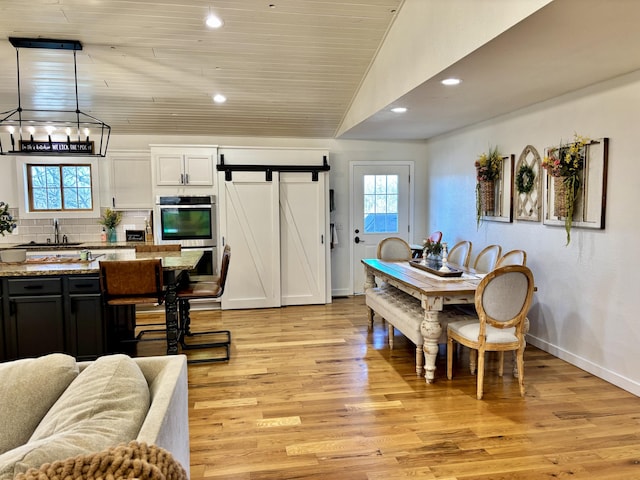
292,70
151,66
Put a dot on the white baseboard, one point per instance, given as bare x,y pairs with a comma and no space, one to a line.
627,384
341,292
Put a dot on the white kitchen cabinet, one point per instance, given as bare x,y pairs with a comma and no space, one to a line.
178,166
130,185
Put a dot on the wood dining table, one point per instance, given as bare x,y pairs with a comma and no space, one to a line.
433,292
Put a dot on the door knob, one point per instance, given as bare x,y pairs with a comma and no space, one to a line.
357,239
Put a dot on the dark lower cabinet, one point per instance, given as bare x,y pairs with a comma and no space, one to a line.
52,314
86,332
35,321
38,326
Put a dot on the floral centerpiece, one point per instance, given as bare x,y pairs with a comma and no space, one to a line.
431,248
110,219
488,168
565,164
7,222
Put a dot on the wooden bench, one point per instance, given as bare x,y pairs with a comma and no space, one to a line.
405,313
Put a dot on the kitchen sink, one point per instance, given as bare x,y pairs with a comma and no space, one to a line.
48,245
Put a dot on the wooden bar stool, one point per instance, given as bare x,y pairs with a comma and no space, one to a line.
198,290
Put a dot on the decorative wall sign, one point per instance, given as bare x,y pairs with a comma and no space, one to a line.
589,209
527,185
68,147
503,211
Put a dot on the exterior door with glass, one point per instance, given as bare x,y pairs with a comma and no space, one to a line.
381,207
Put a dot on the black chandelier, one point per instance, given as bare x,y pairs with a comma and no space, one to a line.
47,131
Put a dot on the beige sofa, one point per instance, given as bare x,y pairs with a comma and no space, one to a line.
55,408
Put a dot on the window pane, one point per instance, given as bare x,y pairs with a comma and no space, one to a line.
38,178
54,199
69,177
70,198
84,177
369,204
369,184
392,184
84,198
381,209
53,177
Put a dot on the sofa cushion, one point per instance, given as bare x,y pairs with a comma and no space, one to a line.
105,405
28,389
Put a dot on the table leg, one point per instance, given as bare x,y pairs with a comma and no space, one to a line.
171,318
431,330
369,279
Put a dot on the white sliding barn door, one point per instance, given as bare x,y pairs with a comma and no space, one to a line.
249,223
303,242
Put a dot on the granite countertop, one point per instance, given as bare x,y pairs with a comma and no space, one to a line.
70,246
42,265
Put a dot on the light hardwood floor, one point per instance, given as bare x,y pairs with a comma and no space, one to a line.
309,393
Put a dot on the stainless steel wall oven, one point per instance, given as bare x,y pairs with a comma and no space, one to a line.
190,221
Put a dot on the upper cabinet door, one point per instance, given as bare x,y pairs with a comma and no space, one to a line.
169,169
131,180
198,169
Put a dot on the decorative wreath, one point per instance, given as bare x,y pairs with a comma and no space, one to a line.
525,178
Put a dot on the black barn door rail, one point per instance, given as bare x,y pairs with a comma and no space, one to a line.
269,169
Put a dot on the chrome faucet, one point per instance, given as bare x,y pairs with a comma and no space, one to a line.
56,231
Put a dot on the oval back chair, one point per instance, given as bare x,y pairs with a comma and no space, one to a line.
460,253
514,257
502,298
394,248
487,259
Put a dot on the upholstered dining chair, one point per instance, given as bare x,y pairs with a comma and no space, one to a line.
514,257
128,283
487,259
203,290
502,300
393,248
459,254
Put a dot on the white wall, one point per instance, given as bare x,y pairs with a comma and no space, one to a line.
586,306
341,152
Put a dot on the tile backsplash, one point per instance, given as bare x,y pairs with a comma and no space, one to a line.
76,229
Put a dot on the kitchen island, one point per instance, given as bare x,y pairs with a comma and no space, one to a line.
54,304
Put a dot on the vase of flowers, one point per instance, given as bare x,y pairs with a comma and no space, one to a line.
431,249
565,164
7,222
110,219
488,167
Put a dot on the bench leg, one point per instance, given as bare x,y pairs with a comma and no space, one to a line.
419,359
390,330
371,313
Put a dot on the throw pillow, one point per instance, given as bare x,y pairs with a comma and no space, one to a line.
28,389
105,405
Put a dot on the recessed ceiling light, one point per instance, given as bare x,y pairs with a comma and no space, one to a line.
213,21
219,98
399,109
451,81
